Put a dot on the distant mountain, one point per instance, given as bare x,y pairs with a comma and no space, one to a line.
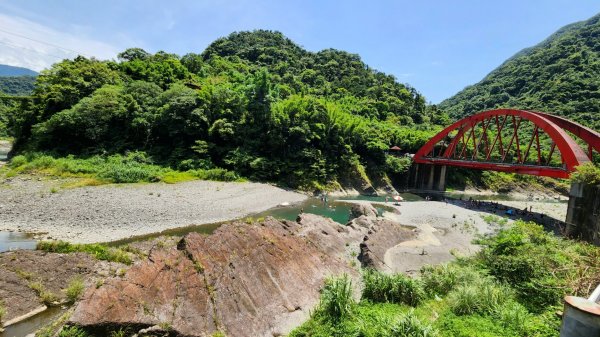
6,70
560,75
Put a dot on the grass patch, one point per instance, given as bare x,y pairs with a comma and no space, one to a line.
47,297
396,288
336,299
98,251
135,167
75,289
72,331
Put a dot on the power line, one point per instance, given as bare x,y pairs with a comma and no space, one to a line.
43,42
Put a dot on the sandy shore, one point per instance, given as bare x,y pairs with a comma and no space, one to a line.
448,229
114,212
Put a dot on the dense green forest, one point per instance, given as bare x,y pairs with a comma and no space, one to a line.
17,85
559,75
254,103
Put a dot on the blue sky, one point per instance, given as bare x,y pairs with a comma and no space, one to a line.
439,47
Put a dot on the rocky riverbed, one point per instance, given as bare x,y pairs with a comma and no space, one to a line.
113,212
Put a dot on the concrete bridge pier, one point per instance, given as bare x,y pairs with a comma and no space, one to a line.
428,177
583,213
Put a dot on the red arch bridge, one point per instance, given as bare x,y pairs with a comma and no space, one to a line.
507,140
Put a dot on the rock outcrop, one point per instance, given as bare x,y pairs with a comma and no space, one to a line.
383,235
27,276
244,280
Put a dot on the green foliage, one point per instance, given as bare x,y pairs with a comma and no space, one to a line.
131,168
254,103
587,173
336,299
409,325
100,252
483,297
72,331
490,294
396,288
558,75
46,296
441,279
540,267
75,289
397,164
17,85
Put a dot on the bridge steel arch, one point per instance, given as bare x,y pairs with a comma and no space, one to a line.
572,155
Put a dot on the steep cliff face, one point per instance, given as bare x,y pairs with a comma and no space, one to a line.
244,280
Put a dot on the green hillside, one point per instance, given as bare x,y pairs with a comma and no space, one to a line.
17,85
254,103
559,75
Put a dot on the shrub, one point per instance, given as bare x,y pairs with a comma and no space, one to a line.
441,279
410,326
397,288
587,173
72,331
74,289
17,161
541,268
514,316
336,299
483,297
464,300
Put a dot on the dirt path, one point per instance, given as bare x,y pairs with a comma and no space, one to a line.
113,212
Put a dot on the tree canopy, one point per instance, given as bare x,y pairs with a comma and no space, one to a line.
253,102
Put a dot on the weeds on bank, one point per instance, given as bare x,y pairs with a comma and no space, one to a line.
396,288
72,331
336,299
75,289
98,251
513,287
47,297
132,168
2,311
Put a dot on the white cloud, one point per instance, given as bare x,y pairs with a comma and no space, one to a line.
32,45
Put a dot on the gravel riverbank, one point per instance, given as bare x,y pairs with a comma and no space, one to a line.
114,212
446,229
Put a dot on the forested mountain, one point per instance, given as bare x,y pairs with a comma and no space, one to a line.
559,75
253,102
17,85
6,70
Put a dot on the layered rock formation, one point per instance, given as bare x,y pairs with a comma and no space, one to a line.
244,280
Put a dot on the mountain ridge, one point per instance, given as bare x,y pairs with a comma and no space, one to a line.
12,71
559,75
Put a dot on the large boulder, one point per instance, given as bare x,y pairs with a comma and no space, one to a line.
383,235
244,280
362,209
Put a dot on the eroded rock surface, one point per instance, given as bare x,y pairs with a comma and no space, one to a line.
382,235
23,271
244,280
